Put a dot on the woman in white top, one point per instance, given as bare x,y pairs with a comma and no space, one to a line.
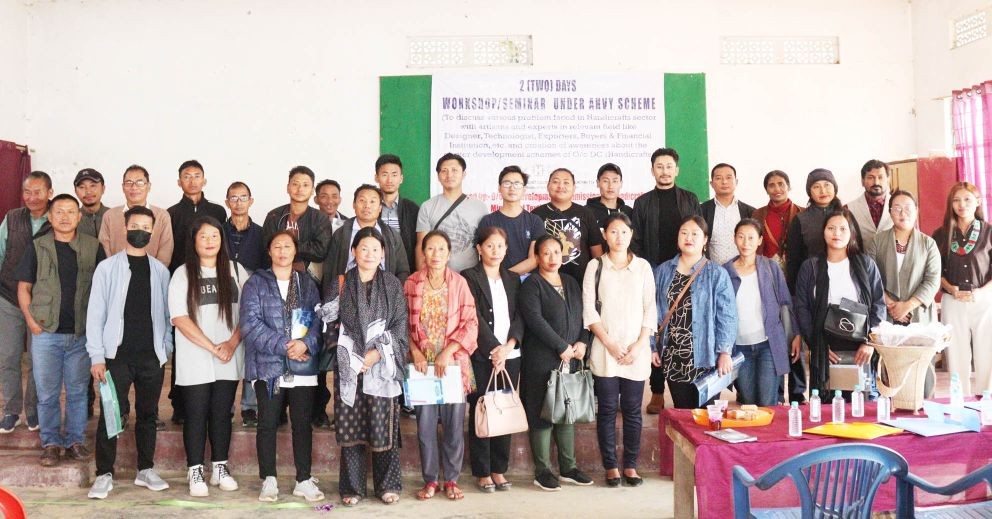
618,296
761,336
203,303
843,272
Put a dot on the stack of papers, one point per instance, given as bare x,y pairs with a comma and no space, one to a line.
941,419
421,389
854,430
732,436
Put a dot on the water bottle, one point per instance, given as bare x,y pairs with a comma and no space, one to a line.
957,394
838,408
857,402
986,407
795,421
883,411
814,406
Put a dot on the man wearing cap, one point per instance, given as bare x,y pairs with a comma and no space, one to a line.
89,190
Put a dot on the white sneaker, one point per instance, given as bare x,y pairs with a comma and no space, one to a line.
270,490
308,490
102,486
197,486
149,479
220,476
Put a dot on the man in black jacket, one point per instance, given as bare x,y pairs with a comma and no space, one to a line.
609,180
192,205
722,212
398,212
311,227
657,215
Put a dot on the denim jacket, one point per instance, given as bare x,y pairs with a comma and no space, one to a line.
714,310
105,316
774,294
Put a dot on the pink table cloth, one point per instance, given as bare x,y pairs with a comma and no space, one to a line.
938,459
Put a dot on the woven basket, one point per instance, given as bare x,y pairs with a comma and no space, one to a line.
906,368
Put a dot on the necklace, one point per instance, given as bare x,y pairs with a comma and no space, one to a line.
900,248
431,283
972,239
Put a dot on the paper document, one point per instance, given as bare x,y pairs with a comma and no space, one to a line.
941,419
421,389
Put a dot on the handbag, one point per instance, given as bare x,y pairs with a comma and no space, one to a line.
302,320
569,398
847,321
499,411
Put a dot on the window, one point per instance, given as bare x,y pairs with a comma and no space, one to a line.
972,125
470,51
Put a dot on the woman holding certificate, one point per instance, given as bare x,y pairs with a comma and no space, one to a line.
443,333
281,361
371,353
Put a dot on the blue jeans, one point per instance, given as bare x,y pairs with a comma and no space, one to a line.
756,380
60,358
248,399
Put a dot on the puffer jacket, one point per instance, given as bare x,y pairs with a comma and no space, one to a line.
262,323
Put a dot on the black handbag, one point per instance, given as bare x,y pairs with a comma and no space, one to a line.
847,321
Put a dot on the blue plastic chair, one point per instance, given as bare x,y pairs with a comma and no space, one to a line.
981,509
834,482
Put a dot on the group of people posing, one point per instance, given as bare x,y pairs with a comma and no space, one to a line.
658,293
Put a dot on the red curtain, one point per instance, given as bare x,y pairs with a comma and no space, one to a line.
15,164
972,121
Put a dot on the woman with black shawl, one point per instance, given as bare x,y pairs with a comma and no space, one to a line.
843,272
371,354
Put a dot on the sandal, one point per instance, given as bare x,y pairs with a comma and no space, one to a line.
452,491
502,486
487,488
390,498
350,500
428,491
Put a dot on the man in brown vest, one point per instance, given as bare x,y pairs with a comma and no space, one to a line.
16,232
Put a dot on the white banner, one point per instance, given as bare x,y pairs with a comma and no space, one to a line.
541,122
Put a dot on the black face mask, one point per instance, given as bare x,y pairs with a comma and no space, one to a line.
138,238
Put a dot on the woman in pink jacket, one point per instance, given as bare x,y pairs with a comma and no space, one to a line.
443,334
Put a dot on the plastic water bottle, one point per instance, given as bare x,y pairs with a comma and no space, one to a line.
986,407
838,408
957,394
883,410
857,402
795,421
814,406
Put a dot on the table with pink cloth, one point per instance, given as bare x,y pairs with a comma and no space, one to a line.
939,459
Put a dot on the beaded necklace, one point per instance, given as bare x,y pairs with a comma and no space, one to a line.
972,239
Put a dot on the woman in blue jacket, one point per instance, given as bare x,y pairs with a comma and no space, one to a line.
761,335
280,360
700,333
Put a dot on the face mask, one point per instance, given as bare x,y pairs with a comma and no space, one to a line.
138,238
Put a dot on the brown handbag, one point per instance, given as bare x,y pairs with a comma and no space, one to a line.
499,411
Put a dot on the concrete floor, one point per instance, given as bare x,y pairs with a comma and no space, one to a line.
653,499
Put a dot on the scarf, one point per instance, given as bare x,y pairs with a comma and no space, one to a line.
366,316
776,223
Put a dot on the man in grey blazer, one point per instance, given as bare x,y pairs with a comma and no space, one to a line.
870,210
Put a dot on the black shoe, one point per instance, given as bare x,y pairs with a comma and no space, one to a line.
177,419
633,481
283,419
547,481
160,425
321,422
409,412
249,418
576,477
613,482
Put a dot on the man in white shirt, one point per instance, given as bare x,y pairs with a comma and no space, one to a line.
722,212
869,210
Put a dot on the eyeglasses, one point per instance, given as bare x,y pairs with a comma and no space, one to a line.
238,198
515,184
901,210
135,183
